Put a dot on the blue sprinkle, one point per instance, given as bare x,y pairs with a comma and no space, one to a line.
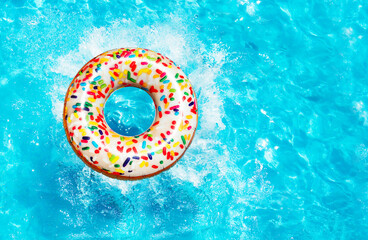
149,156
112,79
97,78
145,89
83,84
75,106
191,103
132,56
162,98
126,161
86,138
144,144
176,110
166,81
73,96
176,113
136,157
152,153
159,108
100,131
94,144
86,109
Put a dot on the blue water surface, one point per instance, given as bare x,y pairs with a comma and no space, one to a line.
281,151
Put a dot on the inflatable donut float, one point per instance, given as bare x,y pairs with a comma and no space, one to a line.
144,155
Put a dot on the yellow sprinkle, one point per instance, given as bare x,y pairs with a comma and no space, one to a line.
186,125
129,143
168,146
114,159
91,99
120,82
119,170
143,163
156,76
69,120
107,140
176,144
93,123
98,110
104,60
162,87
182,87
172,153
156,144
169,86
115,135
109,154
170,66
144,70
96,134
127,62
112,75
143,152
76,115
167,105
181,127
128,138
117,70
101,105
187,137
189,116
121,75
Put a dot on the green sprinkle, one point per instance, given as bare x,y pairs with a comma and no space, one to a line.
183,139
161,162
90,113
177,75
93,82
186,93
159,151
120,51
80,73
87,104
103,86
180,81
130,163
131,79
114,55
149,65
172,99
101,82
149,147
85,148
172,90
116,165
78,104
163,79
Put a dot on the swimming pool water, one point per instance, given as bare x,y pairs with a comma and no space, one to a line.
281,150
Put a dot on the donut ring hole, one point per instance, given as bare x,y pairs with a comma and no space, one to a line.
129,111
